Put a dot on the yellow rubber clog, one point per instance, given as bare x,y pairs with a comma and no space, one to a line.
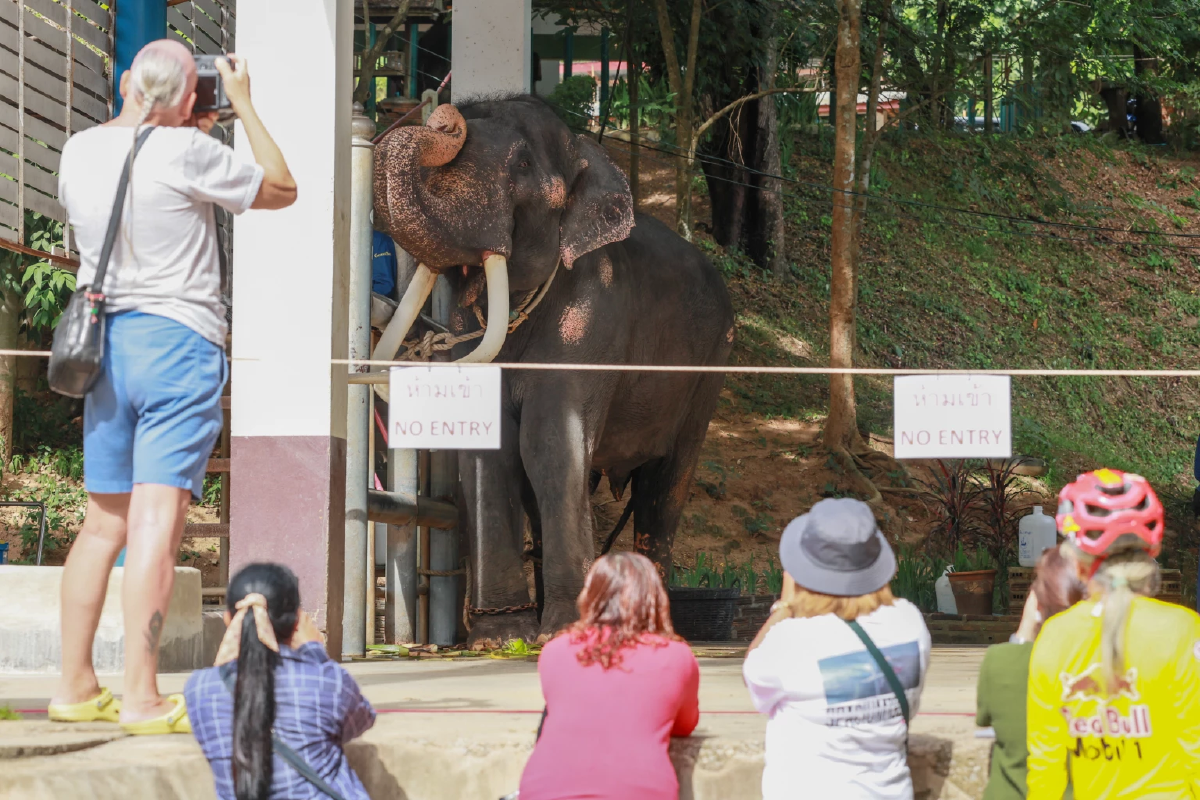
174,721
101,708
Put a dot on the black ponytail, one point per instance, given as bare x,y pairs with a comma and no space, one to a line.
254,693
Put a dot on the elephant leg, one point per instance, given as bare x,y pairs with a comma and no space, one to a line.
556,451
661,488
495,524
529,500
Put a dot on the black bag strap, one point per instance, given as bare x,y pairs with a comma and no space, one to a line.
888,672
285,751
114,219
541,724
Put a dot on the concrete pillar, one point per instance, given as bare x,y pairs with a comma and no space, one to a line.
491,42
289,402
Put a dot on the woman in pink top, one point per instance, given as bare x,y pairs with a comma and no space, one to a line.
618,685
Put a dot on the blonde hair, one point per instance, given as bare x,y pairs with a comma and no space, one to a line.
1120,576
814,604
159,80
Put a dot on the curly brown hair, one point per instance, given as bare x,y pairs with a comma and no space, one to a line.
623,602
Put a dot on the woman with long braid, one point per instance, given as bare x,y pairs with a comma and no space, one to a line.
152,417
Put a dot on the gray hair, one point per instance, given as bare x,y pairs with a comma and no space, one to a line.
158,79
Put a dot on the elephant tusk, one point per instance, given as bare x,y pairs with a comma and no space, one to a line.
397,328
495,270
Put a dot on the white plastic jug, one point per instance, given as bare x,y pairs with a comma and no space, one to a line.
945,595
1036,534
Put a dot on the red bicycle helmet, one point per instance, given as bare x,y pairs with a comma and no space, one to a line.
1101,510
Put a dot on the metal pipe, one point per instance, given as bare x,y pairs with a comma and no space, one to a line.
401,508
403,540
358,412
423,457
444,591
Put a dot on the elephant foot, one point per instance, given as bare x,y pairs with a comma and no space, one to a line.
493,631
555,617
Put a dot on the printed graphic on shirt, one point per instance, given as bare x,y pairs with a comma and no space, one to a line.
1111,722
856,689
1087,685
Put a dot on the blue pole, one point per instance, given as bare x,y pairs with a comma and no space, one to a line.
137,23
414,38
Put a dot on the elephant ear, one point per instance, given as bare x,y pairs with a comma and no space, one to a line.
599,209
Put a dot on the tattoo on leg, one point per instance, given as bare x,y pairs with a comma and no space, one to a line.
154,631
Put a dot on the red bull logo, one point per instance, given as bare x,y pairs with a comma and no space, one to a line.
1110,722
1087,686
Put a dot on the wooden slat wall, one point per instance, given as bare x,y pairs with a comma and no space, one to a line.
55,80
205,26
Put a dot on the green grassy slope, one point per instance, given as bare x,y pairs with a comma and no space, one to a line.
941,289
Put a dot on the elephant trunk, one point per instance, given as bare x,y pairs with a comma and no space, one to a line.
401,198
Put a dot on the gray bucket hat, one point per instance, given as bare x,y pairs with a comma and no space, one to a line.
837,549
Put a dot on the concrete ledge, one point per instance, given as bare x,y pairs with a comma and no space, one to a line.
438,757
29,625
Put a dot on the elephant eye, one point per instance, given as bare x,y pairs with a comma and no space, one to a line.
524,164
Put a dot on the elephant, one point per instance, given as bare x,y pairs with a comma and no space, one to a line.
499,194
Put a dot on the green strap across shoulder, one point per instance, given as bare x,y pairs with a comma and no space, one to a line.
888,673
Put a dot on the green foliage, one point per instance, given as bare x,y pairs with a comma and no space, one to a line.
211,493
572,100
65,502
43,423
707,573
916,573
43,287
656,105
7,714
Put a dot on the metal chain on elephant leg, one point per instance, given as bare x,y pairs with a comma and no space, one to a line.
423,348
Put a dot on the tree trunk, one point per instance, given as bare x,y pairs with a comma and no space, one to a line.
633,74
683,82
366,79
1148,108
10,325
841,429
768,240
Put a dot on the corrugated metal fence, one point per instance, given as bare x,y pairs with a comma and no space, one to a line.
55,65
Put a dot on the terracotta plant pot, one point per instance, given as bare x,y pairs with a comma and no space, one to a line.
973,591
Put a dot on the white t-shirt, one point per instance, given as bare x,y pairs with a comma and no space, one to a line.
164,260
836,730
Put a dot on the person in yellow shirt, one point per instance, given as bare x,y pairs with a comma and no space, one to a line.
1114,682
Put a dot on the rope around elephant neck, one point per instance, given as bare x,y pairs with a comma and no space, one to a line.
423,348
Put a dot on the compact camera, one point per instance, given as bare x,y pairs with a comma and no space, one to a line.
210,89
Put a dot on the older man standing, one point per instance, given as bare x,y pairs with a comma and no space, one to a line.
152,418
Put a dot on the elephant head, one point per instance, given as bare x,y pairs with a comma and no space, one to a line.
498,184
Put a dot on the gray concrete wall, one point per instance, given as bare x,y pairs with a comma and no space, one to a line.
29,624
476,757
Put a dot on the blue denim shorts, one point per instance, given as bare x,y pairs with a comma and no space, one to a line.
155,413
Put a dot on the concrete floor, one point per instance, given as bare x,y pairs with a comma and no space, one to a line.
493,685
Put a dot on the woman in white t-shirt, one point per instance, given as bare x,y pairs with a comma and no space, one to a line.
837,727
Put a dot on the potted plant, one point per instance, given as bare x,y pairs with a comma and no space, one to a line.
703,600
973,581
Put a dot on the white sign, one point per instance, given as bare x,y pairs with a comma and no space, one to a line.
953,416
438,408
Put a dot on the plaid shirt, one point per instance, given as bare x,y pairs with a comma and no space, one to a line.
318,708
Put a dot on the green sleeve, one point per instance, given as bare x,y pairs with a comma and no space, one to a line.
983,714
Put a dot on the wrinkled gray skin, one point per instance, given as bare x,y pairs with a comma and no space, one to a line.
513,180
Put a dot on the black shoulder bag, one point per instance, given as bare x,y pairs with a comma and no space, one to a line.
888,673
77,356
289,755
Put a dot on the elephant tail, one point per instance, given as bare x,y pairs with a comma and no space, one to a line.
612,537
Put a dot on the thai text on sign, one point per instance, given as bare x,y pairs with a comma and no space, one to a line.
953,416
444,409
